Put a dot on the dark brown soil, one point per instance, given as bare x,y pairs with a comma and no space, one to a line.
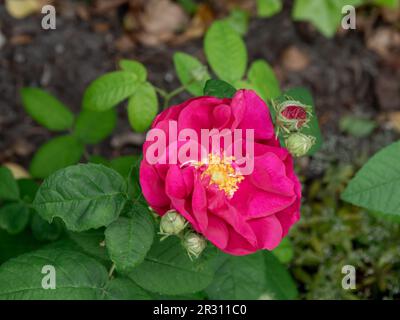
342,75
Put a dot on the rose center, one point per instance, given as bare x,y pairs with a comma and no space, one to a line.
222,173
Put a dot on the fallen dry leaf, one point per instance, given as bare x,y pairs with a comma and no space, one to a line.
22,147
385,41
124,43
387,89
294,59
202,19
128,138
20,9
160,21
394,120
391,15
83,12
18,171
130,22
102,6
101,27
21,39
225,6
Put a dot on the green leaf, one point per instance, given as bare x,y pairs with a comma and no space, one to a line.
83,196
14,217
191,72
329,13
44,231
129,239
56,154
225,51
377,185
124,164
92,243
109,90
93,127
78,277
219,89
256,276
28,189
142,107
268,8
385,217
190,6
239,277
191,296
8,185
15,245
264,81
99,160
125,289
135,190
167,269
279,283
387,3
326,21
46,109
304,96
243,84
356,126
138,69
284,252
136,208
238,20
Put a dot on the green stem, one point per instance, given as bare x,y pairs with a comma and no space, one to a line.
112,269
172,94
169,95
161,92
86,154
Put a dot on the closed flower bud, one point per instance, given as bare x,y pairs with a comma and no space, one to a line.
293,115
172,223
299,144
194,244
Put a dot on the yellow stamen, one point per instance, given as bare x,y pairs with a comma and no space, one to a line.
222,173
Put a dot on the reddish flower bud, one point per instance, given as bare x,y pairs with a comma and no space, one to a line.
293,115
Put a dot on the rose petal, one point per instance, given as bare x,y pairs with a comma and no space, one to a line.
268,230
250,111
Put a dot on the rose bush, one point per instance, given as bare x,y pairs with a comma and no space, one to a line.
239,214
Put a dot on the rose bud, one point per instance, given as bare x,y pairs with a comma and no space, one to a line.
194,243
172,223
293,115
299,144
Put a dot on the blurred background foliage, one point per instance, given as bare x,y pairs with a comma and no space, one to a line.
332,234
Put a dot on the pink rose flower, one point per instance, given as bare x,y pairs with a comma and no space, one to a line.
239,214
